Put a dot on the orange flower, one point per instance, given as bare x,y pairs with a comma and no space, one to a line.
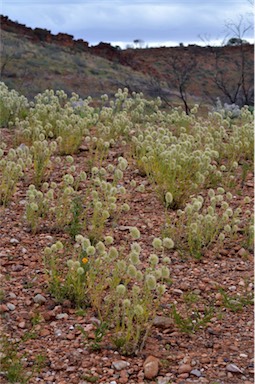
85,260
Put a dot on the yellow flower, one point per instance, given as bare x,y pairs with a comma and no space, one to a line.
85,260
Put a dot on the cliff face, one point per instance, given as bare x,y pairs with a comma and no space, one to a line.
38,35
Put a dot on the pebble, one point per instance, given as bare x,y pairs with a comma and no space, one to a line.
44,332
17,268
242,252
61,316
119,365
163,380
233,368
10,306
22,324
196,373
39,299
3,308
218,296
14,241
49,238
95,320
151,367
184,368
184,286
183,376
58,333
163,322
232,288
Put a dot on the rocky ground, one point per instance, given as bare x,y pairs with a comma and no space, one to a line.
46,342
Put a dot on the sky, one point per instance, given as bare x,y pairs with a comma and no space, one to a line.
120,22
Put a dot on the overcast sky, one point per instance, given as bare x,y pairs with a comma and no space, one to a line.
119,22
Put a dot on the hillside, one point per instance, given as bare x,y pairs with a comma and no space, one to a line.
31,68
191,74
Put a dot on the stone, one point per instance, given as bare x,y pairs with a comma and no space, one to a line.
242,252
120,364
183,376
58,333
95,321
48,315
3,308
151,367
61,316
196,372
39,299
124,379
22,325
44,332
14,241
233,368
10,306
163,380
232,288
184,368
178,291
70,336
163,322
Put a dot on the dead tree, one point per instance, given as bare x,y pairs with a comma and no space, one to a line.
182,70
233,66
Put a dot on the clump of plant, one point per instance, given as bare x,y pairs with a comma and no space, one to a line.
12,168
125,295
192,320
12,106
236,303
54,116
41,152
201,224
53,203
173,164
73,210
11,363
66,279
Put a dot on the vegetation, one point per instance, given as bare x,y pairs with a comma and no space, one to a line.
190,161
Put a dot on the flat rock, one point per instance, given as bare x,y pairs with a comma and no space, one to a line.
151,367
242,252
61,316
10,306
163,322
233,368
120,364
184,368
3,308
196,372
14,241
39,299
163,380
